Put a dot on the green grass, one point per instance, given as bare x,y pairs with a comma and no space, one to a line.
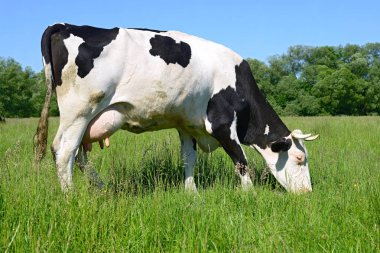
145,209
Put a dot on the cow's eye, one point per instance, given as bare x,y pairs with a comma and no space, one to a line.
282,145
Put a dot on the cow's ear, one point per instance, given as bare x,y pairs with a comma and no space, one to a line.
282,145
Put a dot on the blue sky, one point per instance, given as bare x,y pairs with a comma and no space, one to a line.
255,29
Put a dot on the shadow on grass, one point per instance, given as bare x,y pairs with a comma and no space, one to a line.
160,168
166,172
157,167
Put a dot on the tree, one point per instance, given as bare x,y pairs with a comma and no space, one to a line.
359,65
261,74
347,52
323,56
342,93
323,80
15,88
22,91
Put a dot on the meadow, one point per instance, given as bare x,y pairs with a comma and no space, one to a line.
144,207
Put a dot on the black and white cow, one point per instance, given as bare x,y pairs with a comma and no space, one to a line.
144,80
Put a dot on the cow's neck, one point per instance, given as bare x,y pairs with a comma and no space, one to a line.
258,124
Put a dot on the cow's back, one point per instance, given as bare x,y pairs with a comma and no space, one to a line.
161,86
165,79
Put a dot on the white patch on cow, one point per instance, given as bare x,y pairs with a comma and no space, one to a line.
266,132
114,52
69,72
246,181
189,156
72,44
218,68
171,89
190,184
233,132
285,167
208,126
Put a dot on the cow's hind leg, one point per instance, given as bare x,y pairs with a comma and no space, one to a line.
228,138
64,148
189,156
87,168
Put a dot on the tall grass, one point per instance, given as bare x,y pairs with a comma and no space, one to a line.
144,208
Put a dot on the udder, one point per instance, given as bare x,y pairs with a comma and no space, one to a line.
102,127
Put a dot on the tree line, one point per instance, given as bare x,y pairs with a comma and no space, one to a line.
22,91
306,81
309,81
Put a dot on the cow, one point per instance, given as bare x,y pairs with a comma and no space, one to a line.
145,80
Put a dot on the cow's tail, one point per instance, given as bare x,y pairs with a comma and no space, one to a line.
40,138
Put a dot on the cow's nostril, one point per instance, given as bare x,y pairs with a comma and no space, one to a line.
300,159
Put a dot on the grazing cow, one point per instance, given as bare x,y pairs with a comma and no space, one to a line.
144,80
2,119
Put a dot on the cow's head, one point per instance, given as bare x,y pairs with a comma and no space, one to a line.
287,161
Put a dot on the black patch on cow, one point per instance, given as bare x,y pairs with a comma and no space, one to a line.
95,39
251,123
232,147
148,30
59,55
223,105
54,50
170,51
220,112
252,110
46,41
282,145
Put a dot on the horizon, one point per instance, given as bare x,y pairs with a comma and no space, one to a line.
253,30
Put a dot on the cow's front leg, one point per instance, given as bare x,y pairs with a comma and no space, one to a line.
242,171
64,148
228,138
189,157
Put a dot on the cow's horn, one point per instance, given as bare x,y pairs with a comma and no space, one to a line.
299,135
312,138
